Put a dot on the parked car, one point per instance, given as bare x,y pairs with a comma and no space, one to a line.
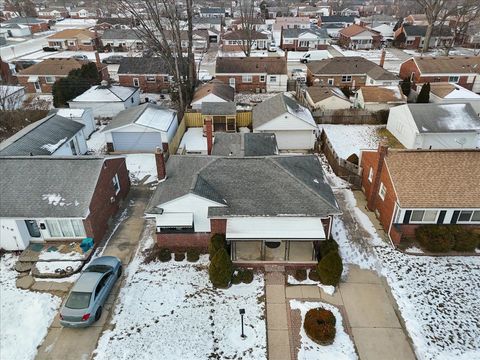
112,59
49,48
86,299
80,57
272,47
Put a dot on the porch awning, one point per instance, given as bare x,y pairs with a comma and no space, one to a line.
32,79
281,228
175,219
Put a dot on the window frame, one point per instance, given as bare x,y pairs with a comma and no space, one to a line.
263,78
382,191
272,79
136,82
247,78
47,81
345,78
470,218
116,184
370,174
331,81
56,222
422,219
150,78
453,81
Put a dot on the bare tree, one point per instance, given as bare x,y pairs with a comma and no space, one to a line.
247,22
11,97
463,14
434,10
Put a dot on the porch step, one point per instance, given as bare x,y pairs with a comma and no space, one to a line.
274,268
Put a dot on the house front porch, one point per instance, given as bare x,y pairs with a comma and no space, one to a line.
273,251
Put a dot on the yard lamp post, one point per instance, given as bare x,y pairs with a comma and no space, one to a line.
242,312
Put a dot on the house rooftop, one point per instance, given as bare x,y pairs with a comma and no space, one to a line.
219,108
24,21
452,91
60,67
295,32
251,65
383,94
109,93
319,93
142,65
448,64
244,144
421,30
355,29
244,34
223,91
337,18
120,34
73,34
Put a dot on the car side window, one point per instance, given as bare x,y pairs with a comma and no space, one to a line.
101,283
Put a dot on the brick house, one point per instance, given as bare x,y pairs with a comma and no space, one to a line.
408,188
82,206
74,40
350,71
304,39
121,40
149,74
52,13
204,195
39,78
413,36
260,74
238,40
461,70
357,37
35,25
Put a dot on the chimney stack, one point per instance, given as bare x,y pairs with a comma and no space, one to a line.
382,153
160,162
382,58
209,132
97,59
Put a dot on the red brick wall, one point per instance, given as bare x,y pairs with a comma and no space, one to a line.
36,28
183,242
407,68
101,208
359,80
30,87
295,47
157,86
218,226
240,86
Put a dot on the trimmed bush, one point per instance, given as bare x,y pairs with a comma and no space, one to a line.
300,275
327,246
164,255
193,255
465,240
319,325
330,268
237,277
313,275
217,241
221,269
435,238
179,256
247,276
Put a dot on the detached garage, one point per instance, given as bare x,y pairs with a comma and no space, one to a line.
141,129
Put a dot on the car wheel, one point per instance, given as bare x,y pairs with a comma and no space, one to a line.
119,272
98,314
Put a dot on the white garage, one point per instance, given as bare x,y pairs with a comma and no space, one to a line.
136,141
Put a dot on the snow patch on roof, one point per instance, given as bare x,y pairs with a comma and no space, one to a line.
159,119
53,147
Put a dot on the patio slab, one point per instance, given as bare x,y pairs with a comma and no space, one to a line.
335,299
382,343
276,317
293,292
357,275
310,292
275,294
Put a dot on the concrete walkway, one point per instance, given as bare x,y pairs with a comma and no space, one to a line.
65,343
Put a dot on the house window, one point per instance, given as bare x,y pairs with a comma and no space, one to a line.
247,78
453,79
304,44
73,148
409,42
346,78
370,175
71,43
262,78
469,216
424,216
151,79
273,79
116,184
331,82
66,228
136,83
50,79
166,79
382,191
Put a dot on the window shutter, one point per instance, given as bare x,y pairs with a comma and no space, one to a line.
406,219
441,217
455,216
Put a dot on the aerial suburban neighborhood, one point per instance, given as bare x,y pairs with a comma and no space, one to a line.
245,179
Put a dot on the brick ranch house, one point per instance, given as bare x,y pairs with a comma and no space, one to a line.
413,36
205,195
74,40
149,74
35,25
297,39
461,70
409,188
357,37
238,40
259,74
39,78
50,198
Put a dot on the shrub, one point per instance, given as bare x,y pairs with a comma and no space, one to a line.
179,256
237,277
164,255
221,269
193,255
300,275
217,241
424,94
247,276
319,325
330,268
465,240
435,238
327,246
313,275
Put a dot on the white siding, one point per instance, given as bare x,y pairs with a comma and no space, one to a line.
209,98
279,85
13,234
331,103
457,140
401,125
295,140
66,150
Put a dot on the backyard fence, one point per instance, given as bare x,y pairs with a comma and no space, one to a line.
175,143
349,117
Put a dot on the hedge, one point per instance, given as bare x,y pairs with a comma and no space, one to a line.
221,269
330,268
217,241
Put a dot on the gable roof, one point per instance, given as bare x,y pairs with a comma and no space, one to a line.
447,90
250,186
448,64
223,91
244,144
109,93
24,20
421,30
73,34
277,106
296,32
337,18
53,67
223,108
443,178
319,93
48,187
142,65
251,65
120,34
148,115
383,94
243,34
440,118
212,10
43,137
355,29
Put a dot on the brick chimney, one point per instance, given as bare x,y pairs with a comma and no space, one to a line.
209,133
382,58
97,59
382,153
160,162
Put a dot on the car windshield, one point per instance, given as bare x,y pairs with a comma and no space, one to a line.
98,268
78,300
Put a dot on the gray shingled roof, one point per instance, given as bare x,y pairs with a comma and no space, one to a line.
244,144
120,34
421,30
42,137
296,32
47,186
337,19
142,65
217,108
255,186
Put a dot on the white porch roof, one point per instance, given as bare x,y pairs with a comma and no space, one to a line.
175,219
281,228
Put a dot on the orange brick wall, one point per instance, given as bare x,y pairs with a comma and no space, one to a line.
241,86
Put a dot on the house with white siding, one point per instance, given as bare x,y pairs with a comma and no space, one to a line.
83,116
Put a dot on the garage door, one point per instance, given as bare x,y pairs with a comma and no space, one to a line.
136,141
295,140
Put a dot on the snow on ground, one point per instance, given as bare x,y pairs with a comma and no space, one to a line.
326,288
24,315
441,52
57,255
341,349
350,139
49,267
252,98
97,142
372,55
140,166
194,141
171,311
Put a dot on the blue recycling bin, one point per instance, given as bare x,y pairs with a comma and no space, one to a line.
86,244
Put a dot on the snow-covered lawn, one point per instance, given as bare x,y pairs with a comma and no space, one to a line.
341,349
194,141
171,311
372,55
141,166
350,139
24,315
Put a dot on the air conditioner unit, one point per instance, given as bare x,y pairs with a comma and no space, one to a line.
112,199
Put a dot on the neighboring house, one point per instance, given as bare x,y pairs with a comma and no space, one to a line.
257,24
142,128
149,74
435,126
35,25
244,199
244,144
413,36
304,39
447,93
290,22
53,13
410,188
278,12
292,123
343,21
85,13
326,98
15,30
223,116
121,40
106,100
357,37
348,71
83,116
212,12
461,70
59,198
206,23
213,92
416,19
386,31
260,74
238,40
333,30
54,135
375,98
377,20
74,40
349,12
11,97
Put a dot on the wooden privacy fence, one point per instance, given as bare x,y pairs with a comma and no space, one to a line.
175,143
194,119
348,117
